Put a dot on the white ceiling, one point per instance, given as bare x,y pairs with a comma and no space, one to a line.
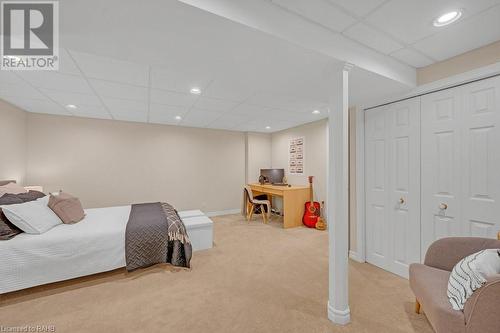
113,69
403,29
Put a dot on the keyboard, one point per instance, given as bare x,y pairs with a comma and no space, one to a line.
279,184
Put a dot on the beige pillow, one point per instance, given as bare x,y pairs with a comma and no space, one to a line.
67,207
12,188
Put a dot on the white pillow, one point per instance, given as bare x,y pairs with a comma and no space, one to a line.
33,217
470,273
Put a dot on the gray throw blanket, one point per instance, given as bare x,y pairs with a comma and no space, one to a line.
156,234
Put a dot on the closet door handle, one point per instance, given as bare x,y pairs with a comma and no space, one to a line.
401,200
443,206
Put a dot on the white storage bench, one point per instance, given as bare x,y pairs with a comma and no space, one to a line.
199,228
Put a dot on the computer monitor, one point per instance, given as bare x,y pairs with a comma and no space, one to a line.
273,175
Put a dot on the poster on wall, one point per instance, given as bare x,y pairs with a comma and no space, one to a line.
296,156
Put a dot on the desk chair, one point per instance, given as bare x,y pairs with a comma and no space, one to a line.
251,203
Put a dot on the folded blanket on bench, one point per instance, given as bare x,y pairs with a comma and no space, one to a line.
156,234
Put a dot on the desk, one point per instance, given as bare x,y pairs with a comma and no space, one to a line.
294,198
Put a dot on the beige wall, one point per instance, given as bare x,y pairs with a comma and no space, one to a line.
477,58
315,135
258,151
109,163
12,143
316,140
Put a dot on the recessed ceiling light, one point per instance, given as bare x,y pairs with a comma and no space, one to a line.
71,106
178,118
195,91
316,112
447,18
268,127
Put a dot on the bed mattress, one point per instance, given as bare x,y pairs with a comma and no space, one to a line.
94,245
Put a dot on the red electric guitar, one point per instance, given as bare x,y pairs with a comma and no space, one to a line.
312,208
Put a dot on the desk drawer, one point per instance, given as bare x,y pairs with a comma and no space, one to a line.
266,190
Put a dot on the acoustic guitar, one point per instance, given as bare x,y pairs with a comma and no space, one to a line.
312,208
321,225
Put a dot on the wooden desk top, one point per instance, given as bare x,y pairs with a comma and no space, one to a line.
278,187
294,198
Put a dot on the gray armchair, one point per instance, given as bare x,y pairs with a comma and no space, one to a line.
429,282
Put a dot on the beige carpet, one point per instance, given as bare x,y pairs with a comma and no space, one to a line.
257,278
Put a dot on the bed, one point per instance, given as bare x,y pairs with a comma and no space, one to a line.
94,245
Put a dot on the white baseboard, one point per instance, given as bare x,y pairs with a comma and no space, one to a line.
339,317
354,256
223,212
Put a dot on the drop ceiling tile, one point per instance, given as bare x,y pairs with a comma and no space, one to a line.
212,104
41,106
279,114
373,38
410,20
127,110
294,117
250,110
261,126
200,118
66,63
230,88
321,107
172,98
120,107
319,11
464,36
165,114
270,100
252,126
358,7
412,58
284,102
229,121
182,81
131,116
118,90
56,81
9,77
281,125
19,89
18,100
65,98
105,68
86,111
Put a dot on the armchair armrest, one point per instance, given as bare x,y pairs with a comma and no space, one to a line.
446,252
482,309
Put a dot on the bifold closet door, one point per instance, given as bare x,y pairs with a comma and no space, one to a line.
392,185
461,162
404,185
377,187
441,151
481,158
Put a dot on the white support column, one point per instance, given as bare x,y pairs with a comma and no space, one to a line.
338,196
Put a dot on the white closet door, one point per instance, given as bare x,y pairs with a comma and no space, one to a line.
481,158
440,167
404,185
376,187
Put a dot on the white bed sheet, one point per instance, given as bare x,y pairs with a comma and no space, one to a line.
94,245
